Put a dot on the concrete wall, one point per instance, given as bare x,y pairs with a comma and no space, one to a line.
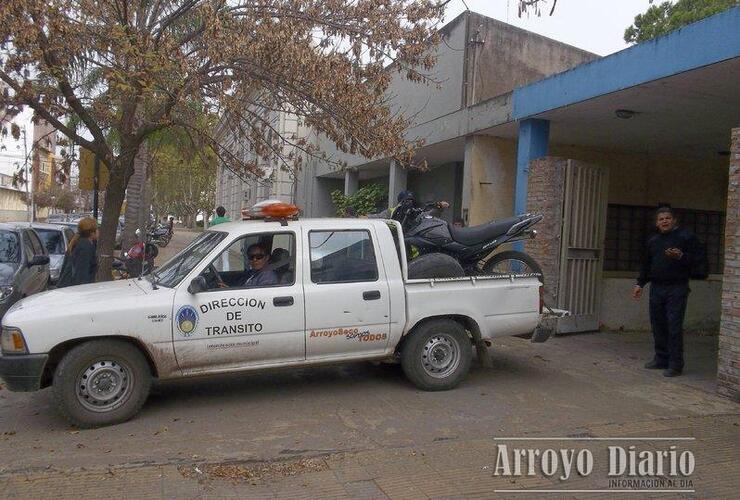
636,179
490,177
620,312
507,57
728,373
437,184
424,102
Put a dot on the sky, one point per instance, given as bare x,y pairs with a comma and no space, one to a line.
593,25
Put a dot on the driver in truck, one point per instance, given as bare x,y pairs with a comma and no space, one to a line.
261,273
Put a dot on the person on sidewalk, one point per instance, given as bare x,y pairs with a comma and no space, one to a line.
667,265
220,219
80,261
220,216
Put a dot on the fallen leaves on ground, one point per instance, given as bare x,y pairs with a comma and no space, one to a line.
253,472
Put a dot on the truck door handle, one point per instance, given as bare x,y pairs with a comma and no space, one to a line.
371,295
282,301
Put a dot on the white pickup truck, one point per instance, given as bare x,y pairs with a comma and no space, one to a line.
257,295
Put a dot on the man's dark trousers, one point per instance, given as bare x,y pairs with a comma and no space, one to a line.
667,310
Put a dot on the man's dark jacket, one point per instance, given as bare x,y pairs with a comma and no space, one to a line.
659,268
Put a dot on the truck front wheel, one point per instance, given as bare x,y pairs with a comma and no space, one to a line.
437,355
101,382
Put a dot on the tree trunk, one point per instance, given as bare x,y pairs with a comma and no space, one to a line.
114,195
136,201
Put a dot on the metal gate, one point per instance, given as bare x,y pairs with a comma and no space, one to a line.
582,250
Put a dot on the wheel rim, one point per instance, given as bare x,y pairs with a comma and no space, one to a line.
441,356
104,385
510,266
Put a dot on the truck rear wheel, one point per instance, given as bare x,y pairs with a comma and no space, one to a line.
101,382
437,355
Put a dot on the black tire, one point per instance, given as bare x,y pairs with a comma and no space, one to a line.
100,361
435,265
151,251
488,268
431,339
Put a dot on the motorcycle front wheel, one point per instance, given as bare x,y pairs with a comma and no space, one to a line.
512,262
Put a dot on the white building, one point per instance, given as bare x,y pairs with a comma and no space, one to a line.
236,190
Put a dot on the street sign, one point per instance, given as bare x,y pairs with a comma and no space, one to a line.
87,171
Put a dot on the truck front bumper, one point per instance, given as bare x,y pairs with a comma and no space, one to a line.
22,372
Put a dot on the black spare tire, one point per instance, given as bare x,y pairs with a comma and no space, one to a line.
435,265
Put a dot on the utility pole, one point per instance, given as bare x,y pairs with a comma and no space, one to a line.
96,187
29,192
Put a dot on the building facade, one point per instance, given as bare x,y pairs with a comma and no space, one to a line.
236,190
523,123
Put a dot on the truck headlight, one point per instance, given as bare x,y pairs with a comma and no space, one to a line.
5,292
12,341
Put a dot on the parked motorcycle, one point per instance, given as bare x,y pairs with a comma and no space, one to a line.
139,259
160,235
469,246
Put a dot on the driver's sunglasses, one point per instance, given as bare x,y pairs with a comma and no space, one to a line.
256,256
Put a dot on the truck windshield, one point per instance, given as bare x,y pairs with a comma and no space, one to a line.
179,266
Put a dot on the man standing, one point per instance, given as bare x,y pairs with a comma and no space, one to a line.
667,263
220,217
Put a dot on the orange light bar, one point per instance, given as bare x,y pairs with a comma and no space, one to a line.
280,210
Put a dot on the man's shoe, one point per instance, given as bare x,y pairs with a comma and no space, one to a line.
654,365
671,372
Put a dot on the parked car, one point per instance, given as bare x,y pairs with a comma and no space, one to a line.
337,290
55,238
24,265
119,229
55,218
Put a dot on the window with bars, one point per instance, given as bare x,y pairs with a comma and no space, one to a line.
629,226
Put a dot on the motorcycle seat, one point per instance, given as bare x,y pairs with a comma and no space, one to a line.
478,234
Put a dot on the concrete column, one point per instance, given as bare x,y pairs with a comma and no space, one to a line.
351,182
728,364
397,180
534,135
489,174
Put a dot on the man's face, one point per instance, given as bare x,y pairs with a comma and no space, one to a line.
257,258
665,222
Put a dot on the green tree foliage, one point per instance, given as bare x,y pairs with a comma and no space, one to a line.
183,174
663,18
363,202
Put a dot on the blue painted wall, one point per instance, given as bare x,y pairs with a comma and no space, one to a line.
708,41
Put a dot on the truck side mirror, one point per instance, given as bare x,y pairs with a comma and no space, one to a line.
198,285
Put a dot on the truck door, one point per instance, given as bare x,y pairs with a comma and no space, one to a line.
347,295
242,321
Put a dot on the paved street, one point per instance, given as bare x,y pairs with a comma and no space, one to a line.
363,431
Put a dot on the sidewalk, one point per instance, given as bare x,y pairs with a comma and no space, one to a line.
462,469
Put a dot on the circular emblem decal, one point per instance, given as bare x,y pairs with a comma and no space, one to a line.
187,320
